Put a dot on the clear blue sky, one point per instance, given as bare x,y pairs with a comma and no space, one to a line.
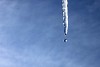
31,34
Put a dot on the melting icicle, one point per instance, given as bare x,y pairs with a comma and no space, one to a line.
65,17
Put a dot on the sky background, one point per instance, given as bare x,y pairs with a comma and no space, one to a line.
31,34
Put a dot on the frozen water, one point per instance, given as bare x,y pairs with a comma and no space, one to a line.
65,17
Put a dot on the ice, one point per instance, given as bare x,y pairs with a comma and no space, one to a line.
65,17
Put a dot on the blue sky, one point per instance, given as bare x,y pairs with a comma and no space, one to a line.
31,34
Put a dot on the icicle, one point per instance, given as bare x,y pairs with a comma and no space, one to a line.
65,17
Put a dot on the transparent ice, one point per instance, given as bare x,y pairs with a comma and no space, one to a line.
65,17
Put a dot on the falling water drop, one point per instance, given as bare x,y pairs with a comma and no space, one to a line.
65,40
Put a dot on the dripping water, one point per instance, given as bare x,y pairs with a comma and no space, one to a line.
65,18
